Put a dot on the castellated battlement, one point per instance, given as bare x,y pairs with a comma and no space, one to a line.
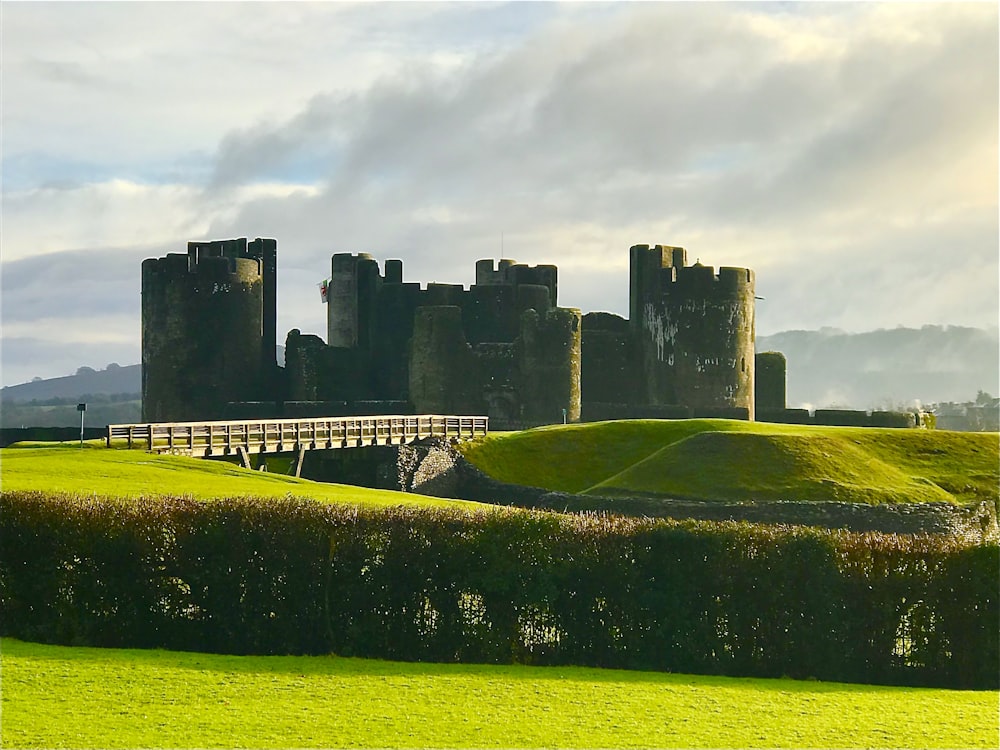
703,280
361,299
212,269
510,272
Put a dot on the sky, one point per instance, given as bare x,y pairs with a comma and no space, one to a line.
847,152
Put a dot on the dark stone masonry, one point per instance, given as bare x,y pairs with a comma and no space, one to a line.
502,347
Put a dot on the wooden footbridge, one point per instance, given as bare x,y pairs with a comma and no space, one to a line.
244,437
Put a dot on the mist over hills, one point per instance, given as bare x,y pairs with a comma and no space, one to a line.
886,368
828,368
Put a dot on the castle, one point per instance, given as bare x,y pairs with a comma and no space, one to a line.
503,347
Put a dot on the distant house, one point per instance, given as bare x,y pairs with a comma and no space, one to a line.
982,415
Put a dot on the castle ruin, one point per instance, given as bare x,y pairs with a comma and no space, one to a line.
502,347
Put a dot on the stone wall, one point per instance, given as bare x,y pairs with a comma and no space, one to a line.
444,371
770,375
608,367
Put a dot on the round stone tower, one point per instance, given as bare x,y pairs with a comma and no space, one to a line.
203,326
550,365
695,332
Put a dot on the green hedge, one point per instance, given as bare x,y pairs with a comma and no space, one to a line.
292,576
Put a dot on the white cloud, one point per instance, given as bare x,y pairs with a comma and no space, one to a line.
847,152
94,329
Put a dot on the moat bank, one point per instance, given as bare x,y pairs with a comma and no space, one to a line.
436,468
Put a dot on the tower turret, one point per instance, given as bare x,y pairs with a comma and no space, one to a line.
351,299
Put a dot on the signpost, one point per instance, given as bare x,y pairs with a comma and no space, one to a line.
82,408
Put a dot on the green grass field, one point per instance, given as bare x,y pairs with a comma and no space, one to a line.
727,460
82,697
66,467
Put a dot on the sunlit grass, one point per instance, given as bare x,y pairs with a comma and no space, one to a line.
82,697
732,460
66,467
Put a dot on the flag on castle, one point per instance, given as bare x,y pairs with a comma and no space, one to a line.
323,289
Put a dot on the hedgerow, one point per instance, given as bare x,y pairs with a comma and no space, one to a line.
291,576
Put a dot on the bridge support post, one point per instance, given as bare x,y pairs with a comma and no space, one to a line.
298,461
244,457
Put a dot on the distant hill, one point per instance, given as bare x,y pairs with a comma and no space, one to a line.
887,367
111,381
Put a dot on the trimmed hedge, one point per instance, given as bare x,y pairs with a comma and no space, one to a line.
293,576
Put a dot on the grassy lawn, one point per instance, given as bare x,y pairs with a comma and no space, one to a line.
82,697
732,460
66,467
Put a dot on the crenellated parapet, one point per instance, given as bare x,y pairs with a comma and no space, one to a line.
507,272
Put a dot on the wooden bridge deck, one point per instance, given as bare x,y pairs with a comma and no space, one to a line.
243,437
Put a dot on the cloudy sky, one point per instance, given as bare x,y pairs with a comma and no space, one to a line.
846,152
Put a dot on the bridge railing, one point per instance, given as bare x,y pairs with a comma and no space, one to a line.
281,435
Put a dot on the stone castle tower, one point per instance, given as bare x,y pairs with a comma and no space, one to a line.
208,329
694,330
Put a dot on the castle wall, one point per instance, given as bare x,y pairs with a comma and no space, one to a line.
202,331
607,361
501,347
491,314
769,380
371,322
396,309
302,365
316,372
499,383
443,374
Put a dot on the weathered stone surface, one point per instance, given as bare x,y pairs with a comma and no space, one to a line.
695,334
769,380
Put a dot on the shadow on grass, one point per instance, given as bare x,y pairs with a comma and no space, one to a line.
349,667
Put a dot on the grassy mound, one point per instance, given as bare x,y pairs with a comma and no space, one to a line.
571,458
66,467
728,460
735,466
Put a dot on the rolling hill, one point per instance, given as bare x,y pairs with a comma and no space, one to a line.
723,460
